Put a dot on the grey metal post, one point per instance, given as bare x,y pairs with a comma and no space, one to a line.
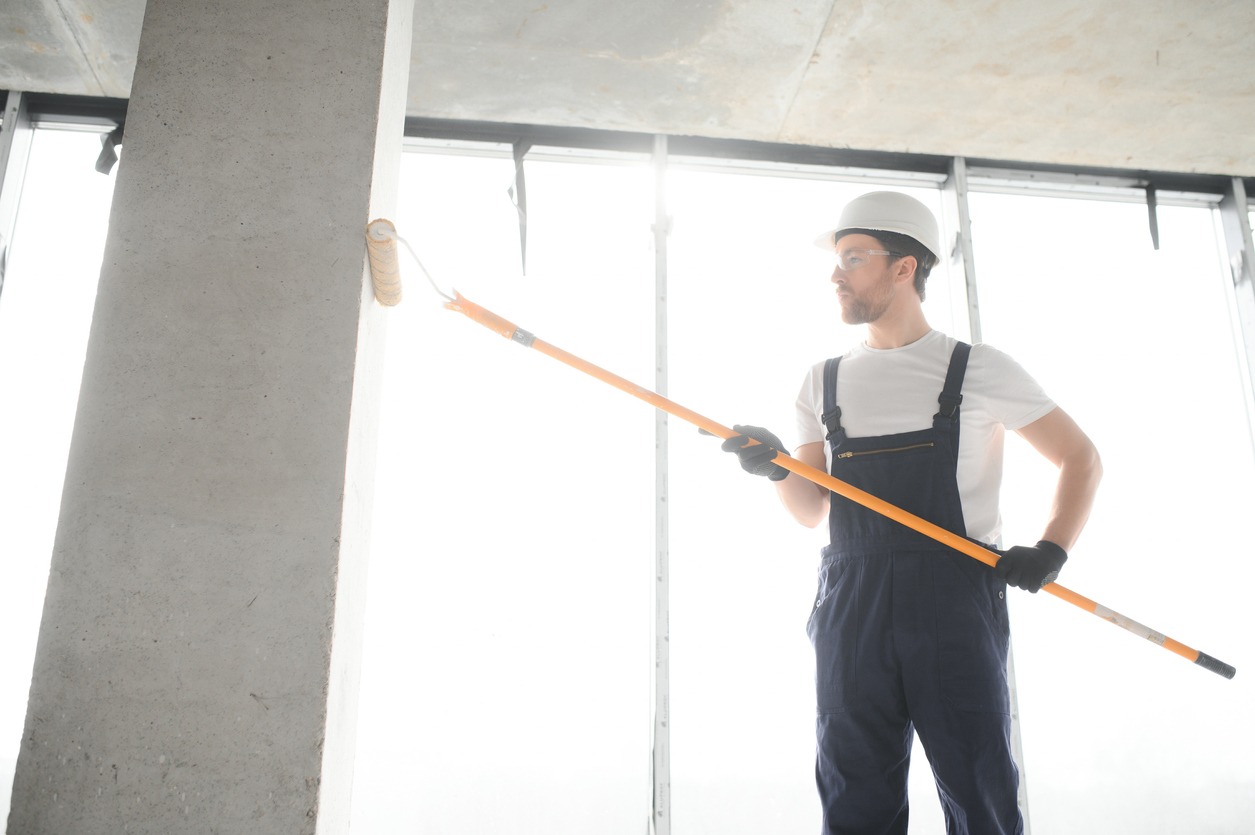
15,143
660,818
957,237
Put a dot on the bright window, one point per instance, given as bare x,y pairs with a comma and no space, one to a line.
45,312
1137,345
507,670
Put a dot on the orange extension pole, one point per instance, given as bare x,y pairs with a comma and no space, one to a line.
510,331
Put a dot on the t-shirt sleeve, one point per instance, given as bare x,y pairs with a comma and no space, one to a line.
1015,399
809,427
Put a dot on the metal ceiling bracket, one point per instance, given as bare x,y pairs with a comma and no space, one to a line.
518,193
1235,214
1152,209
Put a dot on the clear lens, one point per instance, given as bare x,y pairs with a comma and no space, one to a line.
852,259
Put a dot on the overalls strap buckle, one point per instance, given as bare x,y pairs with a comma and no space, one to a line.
949,405
951,396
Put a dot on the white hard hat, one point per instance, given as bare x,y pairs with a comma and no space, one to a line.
887,211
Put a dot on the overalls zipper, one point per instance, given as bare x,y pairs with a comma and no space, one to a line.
853,453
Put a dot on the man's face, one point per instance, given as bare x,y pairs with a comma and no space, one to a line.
864,284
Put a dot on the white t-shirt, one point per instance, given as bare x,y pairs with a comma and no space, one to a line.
884,392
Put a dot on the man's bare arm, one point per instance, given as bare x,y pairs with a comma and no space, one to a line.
805,500
1057,437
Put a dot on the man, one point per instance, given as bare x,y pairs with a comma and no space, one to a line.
910,634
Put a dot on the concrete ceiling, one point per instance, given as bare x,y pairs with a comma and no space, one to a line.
1160,85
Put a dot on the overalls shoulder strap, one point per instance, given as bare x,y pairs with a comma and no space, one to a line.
832,412
952,391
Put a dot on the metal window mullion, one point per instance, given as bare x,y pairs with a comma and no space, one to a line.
958,227
958,224
15,143
660,817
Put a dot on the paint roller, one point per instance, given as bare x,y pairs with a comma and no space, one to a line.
385,269
382,245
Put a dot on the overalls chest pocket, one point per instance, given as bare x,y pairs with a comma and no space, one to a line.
910,470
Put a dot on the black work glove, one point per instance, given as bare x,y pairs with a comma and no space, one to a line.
1031,566
757,458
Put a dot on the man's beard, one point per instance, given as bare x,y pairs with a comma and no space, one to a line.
860,310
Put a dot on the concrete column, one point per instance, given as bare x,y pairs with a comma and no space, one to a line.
197,663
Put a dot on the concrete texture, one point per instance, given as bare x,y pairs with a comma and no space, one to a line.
197,660
1161,86
83,47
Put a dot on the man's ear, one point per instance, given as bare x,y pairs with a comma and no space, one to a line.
905,269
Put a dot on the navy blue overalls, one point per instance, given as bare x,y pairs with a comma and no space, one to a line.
908,634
